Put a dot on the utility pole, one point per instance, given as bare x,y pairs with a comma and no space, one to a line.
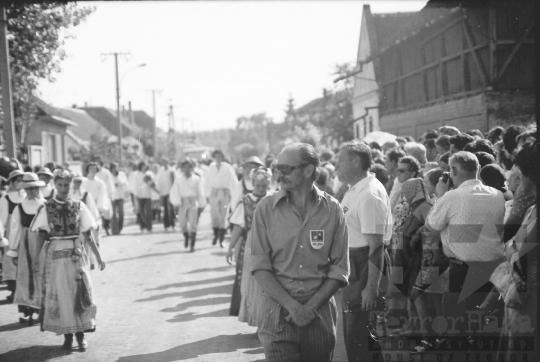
154,91
172,134
7,102
116,54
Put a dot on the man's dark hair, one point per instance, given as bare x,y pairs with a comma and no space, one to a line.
430,144
509,137
475,132
481,146
98,160
460,141
374,145
445,157
88,165
434,175
113,165
380,173
443,142
484,158
217,151
380,161
430,134
527,161
495,134
414,165
327,155
323,177
141,165
357,149
394,154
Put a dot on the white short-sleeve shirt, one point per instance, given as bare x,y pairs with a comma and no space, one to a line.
367,211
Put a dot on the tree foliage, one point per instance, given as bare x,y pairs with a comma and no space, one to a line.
37,33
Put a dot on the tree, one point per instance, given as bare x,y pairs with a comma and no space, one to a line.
253,131
36,35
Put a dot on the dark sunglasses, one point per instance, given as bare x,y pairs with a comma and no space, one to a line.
286,169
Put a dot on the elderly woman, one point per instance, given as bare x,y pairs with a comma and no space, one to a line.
24,248
521,297
245,298
67,304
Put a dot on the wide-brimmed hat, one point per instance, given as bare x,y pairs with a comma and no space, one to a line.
254,159
77,176
30,179
14,174
45,171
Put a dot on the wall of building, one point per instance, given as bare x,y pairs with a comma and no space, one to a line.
510,107
464,113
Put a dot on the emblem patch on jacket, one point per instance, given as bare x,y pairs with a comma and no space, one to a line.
316,238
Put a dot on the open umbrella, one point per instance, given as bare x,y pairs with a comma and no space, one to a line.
380,137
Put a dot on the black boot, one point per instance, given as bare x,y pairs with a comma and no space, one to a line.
68,341
222,236
186,239
81,342
216,236
193,237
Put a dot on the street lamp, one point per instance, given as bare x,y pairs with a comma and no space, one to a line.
118,106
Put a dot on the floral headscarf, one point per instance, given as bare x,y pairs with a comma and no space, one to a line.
414,190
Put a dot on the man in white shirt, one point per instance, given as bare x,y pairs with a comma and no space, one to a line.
98,191
470,220
105,175
220,181
120,189
143,192
369,220
188,195
132,187
164,182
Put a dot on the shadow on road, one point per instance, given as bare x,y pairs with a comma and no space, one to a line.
188,317
194,282
12,327
204,270
197,303
147,256
35,353
218,344
221,289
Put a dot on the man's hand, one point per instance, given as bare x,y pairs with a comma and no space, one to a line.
101,264
369,299
442,187
229,256
302,315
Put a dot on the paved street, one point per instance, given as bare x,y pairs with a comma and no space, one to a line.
156,302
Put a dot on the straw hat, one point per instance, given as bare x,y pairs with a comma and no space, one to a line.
14,174
30,179
45,171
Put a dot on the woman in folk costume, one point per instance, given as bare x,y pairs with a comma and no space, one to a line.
8,202
24,248
67,304
46,176
78,193
245,289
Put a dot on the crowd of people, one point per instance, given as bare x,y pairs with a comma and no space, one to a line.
427,236
400,227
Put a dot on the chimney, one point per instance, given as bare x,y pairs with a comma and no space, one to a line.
130,113
86,104
325,93
74,106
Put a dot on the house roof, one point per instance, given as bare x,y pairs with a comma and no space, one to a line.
387,25
143,120
50,113
86,125
107,118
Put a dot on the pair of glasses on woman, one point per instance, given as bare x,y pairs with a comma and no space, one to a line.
286,169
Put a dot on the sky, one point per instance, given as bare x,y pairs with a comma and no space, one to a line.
212,61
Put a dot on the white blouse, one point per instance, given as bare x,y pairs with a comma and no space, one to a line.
30,206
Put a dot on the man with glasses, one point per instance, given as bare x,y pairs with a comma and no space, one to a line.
300,258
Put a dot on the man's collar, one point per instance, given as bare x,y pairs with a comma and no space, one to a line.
319,195
360,185
470,182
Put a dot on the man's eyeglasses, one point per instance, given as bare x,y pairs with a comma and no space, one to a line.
286,169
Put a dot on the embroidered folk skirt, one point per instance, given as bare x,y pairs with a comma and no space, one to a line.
63,289
29,278
250,290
